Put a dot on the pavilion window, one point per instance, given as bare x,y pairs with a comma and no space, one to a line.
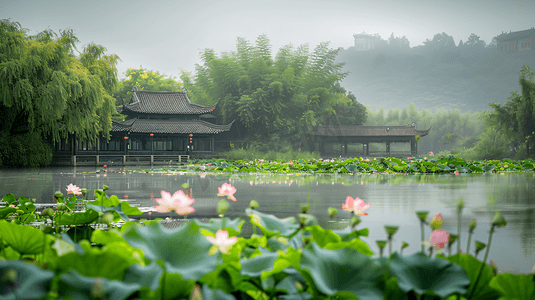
202,144
163,145
115,144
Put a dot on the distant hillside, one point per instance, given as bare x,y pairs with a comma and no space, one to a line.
451,78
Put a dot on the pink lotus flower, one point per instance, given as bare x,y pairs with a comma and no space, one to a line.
261,160
356,205
72,189
431,153
222,241
202,167
15,207
227,190
456,172
179,202
251,182
436,222
438,239
251,162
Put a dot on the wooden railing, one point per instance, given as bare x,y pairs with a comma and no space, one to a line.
119,160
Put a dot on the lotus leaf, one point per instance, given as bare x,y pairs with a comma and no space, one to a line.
183,250
148,275
23,239
78,218
514,286
471,266
31,281
81,288
270,225
233,227
427,275
346,269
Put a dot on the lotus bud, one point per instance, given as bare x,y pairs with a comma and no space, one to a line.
253,204
58,194
472,225
222,207
404,245
479,246
355,221
84,191
452,238
498,220
98,290
391,230
460,204
33,200
422,215
107,218
47,212
9,277
105,187
196,294
185,185
436,223
305,208
332,212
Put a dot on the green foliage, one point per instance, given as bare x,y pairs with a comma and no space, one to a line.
285,96
24,150
45,89
143,79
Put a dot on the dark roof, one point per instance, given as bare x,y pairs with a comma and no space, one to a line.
164,103
517,35
352,130
163,126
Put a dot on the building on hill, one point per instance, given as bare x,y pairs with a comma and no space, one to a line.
366,41
157,123
516,41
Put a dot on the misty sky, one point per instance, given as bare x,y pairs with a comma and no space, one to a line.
167,36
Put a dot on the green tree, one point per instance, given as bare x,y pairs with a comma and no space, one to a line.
517,115
147,80
45,89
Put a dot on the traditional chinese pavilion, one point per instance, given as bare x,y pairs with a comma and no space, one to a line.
343,135
157,123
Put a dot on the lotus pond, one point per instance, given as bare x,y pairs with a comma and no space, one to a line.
394,198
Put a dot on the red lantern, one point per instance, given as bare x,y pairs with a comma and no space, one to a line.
152,134
191,135
126,138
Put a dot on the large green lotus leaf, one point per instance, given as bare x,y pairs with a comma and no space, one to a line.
345,269
116,209
9,198
290,258
80,287
356,244
514,286
5,211
148,275
23,239
183,250
130,210
277,243
471,266
233,227
79,218
427,275
392,290
80,233
102,200
323,236
26,205
110,263
271,225
101,237
208,293
175,287
31,281
256,265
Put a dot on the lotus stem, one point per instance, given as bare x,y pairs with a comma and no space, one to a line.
459,223
430,251
423,238
468,246
484,261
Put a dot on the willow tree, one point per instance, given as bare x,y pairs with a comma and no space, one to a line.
46,89
143,79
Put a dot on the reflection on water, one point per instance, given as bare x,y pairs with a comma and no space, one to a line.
394,200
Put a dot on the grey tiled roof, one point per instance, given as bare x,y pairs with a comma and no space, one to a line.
172,127
352,130
517,35
164,103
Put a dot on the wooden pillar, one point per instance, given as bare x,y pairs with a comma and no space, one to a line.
414,147
366,147
388,148
345,149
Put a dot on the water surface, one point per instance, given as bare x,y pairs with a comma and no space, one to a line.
393,198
